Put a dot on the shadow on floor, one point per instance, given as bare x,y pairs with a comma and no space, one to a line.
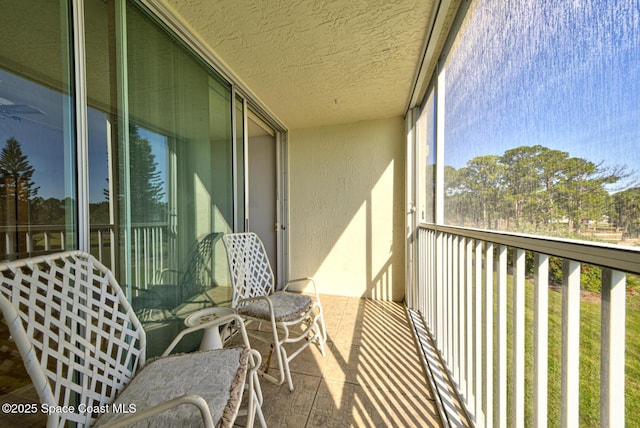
371,375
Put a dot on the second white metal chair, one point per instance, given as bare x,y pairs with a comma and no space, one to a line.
255,298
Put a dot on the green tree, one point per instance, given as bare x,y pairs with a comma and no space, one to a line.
550,172
582,194
146,181
625,212
528,188
17,188
16,172
523,182
454,201
481,181
49,211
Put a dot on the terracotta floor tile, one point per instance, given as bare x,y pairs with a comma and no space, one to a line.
371,374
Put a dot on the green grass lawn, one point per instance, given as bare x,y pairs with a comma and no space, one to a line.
589,358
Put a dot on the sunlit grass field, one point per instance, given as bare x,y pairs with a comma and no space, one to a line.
589,393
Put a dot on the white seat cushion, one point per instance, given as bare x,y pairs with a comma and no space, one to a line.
218,376
286,306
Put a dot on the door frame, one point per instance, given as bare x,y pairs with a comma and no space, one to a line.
280,265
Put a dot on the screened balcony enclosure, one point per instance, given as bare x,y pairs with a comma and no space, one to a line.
460,177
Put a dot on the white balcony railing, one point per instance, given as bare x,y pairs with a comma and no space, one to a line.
149,245
463,282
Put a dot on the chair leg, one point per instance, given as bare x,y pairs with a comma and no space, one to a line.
320,328
255,393
286,369
315,332
322,324
255,402
320,338
268,362
283,359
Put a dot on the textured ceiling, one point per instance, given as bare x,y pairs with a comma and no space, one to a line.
315,63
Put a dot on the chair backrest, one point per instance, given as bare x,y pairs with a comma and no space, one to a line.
198,275
77,334
249,267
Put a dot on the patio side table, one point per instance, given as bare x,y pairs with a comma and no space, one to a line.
212,338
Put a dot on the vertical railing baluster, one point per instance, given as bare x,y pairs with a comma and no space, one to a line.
440,255
429,300
519,292
426,254
433,308
136,257
416,302
612,349
434,281
156,248
540,339
100,245
570,344
455,314
479,414
462,329
501,402
449,300
447,308
488,328
433,277
470,324
146,264
159,257
29,242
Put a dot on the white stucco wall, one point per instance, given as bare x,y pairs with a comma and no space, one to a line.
346,208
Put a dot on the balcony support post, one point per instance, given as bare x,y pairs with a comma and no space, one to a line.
470,324
570,395
540,339
488,331
519,292
612,348
479,379
462,320
501,408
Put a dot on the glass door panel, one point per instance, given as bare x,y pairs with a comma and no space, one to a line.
37,140
179,181
38,197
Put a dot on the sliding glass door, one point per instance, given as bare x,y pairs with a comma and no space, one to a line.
161,166
37,138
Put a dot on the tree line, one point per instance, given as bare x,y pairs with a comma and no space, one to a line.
538,189
21,204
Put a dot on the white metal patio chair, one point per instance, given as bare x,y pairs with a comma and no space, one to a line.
84,350
255,298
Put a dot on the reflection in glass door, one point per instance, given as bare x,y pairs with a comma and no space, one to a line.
263,186
161,167
38,213
37,141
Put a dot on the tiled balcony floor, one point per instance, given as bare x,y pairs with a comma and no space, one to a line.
371,374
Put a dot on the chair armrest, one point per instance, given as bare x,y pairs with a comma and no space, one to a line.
190,399
217,322
305,279
159,276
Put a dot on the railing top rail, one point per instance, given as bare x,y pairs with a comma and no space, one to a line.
618,257
63,227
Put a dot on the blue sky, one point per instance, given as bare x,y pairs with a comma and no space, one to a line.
564,75
42,137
